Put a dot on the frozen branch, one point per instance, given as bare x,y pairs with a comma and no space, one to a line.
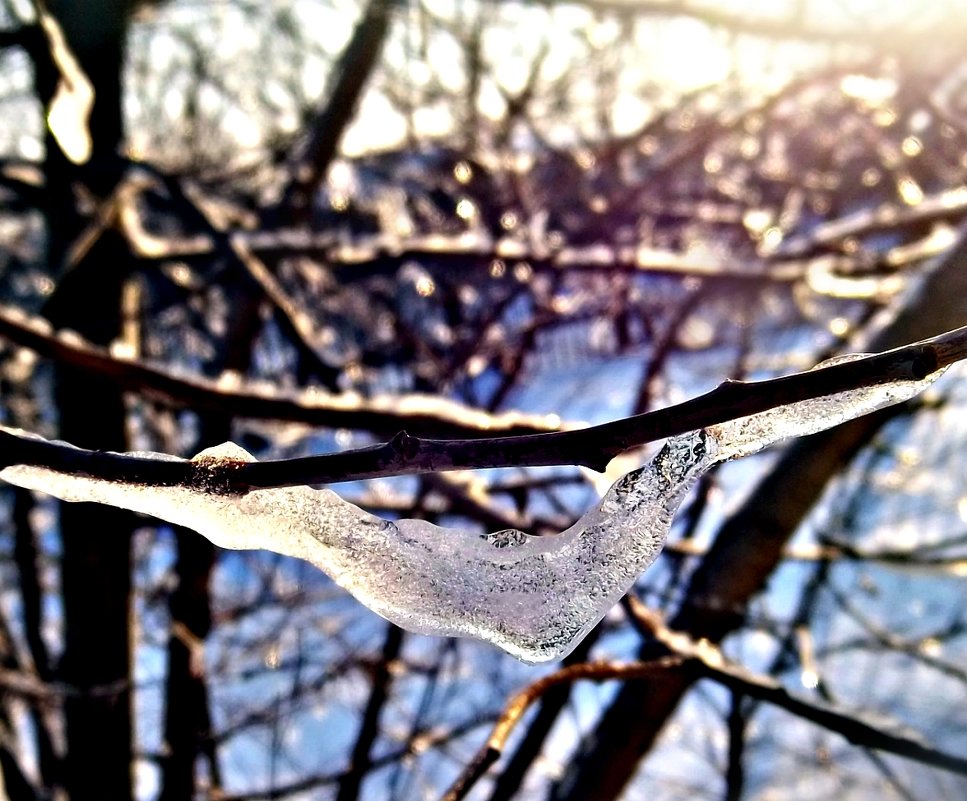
591,447
535,597
707,665
707,661
701,660
232,395
522,701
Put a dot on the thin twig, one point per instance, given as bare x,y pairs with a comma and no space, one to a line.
351,75
592,447
491,750
707,661
918,558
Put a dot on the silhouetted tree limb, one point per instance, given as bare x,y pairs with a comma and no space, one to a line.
361,760
351,75
521,702
592,447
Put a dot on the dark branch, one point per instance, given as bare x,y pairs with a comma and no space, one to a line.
592,447
520,703
352,73
703,661
707,661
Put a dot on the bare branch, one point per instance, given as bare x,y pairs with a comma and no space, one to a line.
707,661
355,66
703,661
591,447
919,558
381,415
362,760
520,703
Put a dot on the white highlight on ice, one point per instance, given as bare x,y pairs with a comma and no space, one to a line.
535,597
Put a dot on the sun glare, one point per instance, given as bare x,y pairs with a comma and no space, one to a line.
691,54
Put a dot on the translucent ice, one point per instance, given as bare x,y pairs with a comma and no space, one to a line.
747,435
535,597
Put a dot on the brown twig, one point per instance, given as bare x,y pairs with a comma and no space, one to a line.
707,661
380,415
592,447
376,255
491,750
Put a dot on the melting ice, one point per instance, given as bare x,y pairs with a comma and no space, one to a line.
535,597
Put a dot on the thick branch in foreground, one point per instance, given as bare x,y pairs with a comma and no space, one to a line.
453,582
592,447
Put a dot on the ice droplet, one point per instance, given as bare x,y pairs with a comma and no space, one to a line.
535,597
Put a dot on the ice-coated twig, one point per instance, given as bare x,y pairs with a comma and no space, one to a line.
592,447
512,713
535,597
702,661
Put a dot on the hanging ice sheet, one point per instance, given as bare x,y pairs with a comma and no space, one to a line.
535,597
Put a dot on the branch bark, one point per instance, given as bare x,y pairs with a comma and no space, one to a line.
95,571
592,447
355,66
696,662
361,760
380,415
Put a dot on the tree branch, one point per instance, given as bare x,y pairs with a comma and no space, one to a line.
520,703
380,415
702,660
707,661
351,74
591,447
361,760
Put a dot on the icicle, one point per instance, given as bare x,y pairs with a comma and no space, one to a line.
535,597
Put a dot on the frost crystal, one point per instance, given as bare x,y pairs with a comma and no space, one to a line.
535,597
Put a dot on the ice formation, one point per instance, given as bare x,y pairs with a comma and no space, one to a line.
535,597
747,435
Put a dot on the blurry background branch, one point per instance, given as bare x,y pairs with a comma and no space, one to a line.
229,393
